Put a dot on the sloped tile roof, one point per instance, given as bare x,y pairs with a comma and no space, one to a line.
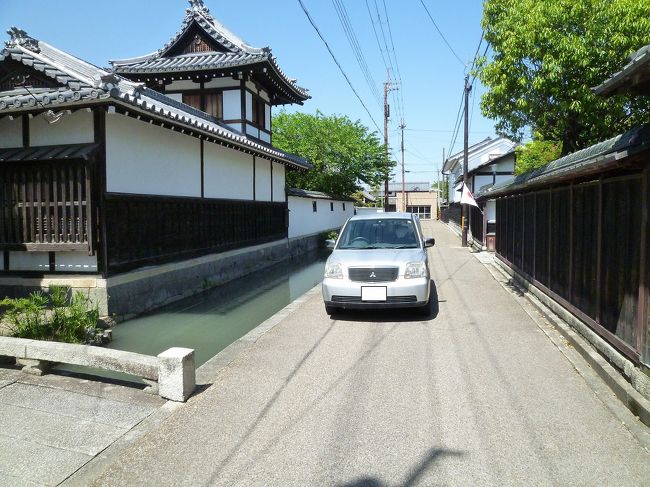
633,78
48,152
83,83
239,53
586,161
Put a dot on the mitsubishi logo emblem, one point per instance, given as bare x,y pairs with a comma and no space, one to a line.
373,275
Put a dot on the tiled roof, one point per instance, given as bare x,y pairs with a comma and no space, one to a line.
305,193
238,53
633,78
48,152
586,161
83,83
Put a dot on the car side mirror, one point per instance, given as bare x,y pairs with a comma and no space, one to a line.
430,242
330,243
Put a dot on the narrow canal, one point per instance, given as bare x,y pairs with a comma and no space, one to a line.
210,321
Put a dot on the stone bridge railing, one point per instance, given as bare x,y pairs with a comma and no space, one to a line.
171,374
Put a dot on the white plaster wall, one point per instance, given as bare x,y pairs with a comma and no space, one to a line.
505,165
265,137
235,126
480,181
252,131
183,84
491,210
249,106
267,118
303,221
279,174
228,173
29,261
142,158
11,132
175,96
262,179
232,105
221,83
502,179
76,128
75,262
264,95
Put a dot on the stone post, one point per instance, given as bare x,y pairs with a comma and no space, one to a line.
176,374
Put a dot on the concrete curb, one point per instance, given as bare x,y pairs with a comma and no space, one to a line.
635,405
206,373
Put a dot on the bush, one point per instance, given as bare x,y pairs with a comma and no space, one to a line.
60,316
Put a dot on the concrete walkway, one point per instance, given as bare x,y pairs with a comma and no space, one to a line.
483,392
475,395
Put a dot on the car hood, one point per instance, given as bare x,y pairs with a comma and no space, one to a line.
376,257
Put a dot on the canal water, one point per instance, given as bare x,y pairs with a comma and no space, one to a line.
212,320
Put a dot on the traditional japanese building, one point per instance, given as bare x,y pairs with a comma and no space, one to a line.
164,159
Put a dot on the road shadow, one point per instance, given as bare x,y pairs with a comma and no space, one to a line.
403,315
415,473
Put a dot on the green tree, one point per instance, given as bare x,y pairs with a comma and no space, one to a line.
344,153
547,55
536,153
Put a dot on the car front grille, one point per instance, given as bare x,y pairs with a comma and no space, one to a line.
373,274
389,299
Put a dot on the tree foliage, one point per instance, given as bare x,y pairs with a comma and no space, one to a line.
344,153
536,153
547,55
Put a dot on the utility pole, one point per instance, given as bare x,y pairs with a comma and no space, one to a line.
403,126
439,185
388,87
468,88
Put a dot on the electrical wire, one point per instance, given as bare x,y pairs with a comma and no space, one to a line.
441,34
313,24
353,40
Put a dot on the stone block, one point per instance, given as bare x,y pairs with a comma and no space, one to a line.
34,367
176,374
13,347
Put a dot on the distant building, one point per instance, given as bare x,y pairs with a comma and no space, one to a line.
419,198
479,155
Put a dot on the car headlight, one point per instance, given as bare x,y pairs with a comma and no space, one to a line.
334,271
415,270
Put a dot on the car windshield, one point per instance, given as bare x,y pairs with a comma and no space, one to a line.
389,233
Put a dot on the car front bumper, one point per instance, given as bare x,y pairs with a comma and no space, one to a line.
402,293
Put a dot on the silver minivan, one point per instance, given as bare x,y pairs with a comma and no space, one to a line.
378,261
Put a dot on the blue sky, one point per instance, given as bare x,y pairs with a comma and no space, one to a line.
431,75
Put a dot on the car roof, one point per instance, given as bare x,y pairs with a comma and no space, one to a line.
383,216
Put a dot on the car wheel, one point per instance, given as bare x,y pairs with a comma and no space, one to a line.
330,310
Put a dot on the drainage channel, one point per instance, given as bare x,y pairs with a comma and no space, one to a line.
212,320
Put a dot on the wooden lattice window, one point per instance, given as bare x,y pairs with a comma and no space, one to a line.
197,45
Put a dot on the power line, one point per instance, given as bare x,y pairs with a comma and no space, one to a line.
313,24
353,40
441,34
399,74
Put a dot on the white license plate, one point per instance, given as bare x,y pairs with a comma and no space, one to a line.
373,293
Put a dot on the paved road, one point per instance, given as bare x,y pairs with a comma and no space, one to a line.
476,395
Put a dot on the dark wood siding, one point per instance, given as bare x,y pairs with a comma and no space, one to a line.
144,230
47,206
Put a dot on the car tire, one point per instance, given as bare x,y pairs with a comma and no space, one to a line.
330,310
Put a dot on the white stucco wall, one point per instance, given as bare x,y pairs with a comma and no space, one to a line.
265,137
262,179
29,261
75,262
75,128
142,158
279,177
303,221
249,106
491,210
228,173
232,105
11,132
